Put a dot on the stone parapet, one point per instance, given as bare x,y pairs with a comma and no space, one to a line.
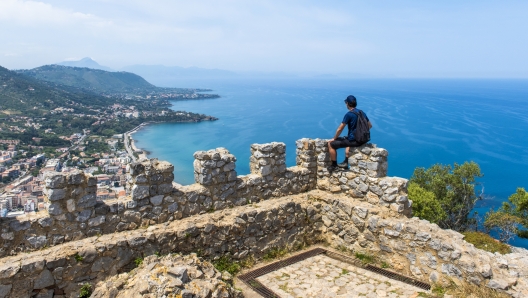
238,232
409,245
73,212
154,198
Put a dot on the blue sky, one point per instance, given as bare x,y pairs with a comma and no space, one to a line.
370,38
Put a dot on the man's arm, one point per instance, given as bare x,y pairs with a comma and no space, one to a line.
339,130
370,125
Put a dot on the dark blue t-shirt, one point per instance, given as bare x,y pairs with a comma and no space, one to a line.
350,119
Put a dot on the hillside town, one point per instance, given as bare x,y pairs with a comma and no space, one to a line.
23,173
52,126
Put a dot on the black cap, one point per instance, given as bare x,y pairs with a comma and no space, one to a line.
350,99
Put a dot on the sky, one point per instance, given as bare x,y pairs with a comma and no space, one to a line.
448,39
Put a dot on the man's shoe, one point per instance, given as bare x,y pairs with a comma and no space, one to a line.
332,169
343,165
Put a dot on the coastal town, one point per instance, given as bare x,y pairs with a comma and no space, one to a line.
22,173
44,127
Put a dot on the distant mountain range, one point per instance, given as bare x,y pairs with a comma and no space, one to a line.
169,75
96,80
85,62
20,94
101,82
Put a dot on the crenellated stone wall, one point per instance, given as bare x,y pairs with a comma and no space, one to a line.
366,178
408,245
78,239
73,212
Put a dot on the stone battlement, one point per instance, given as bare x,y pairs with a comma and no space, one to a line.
153,198
79,239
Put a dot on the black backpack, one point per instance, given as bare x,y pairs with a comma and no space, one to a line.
362,133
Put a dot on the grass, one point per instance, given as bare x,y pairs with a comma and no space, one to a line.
78,258
486,242
225,263
462,290
284,287
248,262
138,261
342,248
365,258
85,291
274,253
385,264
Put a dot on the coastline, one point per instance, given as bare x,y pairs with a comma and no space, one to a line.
142,153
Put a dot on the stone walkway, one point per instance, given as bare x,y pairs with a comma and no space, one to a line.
322,276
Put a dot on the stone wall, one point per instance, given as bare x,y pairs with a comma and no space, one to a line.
417,247
366,178
360,209
153,198
238,232
410,246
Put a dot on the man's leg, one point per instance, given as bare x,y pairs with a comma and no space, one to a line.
333,154
344,164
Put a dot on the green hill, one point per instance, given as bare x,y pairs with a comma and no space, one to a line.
95,80
20,94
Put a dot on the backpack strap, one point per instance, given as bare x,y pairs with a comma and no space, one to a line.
357,114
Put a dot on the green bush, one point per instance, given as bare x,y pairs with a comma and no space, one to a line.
511,218
425,205
86,291
225,263
452,188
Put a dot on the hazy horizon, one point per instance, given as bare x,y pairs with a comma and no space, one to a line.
378,39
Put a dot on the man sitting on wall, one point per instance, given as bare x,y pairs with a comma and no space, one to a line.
350,120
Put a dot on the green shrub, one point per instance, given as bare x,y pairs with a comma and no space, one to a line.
138,261
86,291
511,218
486,242
448,189
225,263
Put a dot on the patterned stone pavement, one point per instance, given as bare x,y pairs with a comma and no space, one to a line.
322,276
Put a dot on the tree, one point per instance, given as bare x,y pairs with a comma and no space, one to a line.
444,189
511,218
425,205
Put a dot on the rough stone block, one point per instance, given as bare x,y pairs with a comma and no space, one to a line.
55,209
54,180
44,279
140,192
96,221
83,215
92,181
56,194
156,200
38,241
76,178
87,201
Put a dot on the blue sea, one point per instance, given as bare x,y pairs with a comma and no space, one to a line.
420,123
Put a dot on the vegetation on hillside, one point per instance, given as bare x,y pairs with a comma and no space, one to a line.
105,82
37,112
445,195
511,218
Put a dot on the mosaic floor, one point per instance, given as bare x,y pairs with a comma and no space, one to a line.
322,276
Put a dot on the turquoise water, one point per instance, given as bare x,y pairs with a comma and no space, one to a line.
420,122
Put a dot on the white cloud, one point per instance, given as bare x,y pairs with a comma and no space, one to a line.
38,13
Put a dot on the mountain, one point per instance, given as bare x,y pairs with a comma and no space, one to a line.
98,81
20,94
85,62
